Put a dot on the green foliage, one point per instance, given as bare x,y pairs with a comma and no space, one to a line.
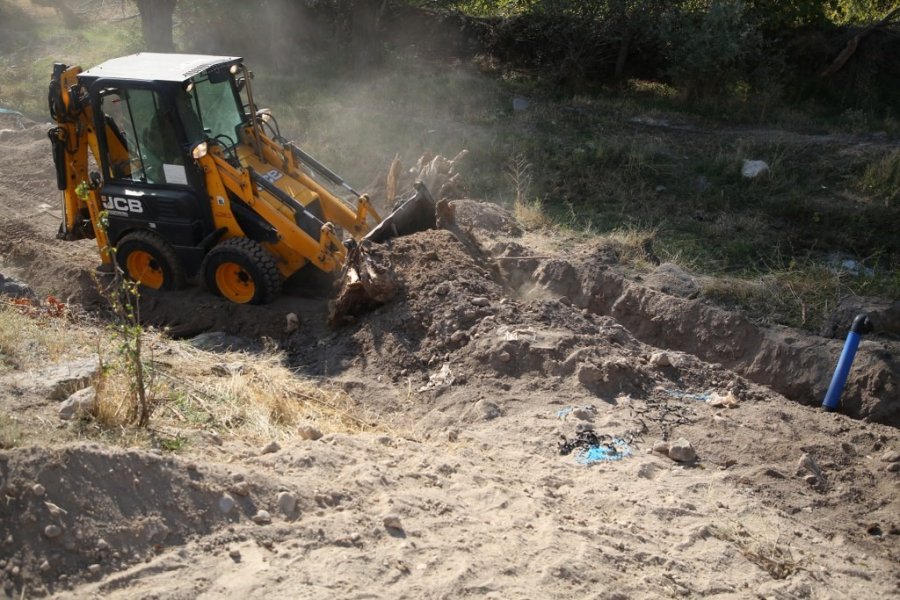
710,50
124,299
172,444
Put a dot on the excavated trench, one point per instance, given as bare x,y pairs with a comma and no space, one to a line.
794,364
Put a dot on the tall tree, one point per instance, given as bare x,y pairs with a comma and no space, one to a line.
156,24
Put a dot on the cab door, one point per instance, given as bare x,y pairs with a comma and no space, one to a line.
149,180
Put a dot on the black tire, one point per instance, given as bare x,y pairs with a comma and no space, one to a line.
146,258
242,271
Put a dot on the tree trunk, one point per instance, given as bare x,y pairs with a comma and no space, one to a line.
156,24
622,58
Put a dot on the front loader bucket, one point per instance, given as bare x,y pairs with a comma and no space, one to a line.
417,213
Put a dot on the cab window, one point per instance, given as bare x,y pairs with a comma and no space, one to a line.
141,137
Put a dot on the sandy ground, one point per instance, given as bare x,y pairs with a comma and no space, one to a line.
500,346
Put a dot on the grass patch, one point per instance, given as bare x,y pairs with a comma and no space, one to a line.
255,398
881,179
31,337
803,296
10,432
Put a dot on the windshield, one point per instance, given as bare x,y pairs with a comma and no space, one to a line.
210,110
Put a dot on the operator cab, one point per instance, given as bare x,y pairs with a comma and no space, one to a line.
150,111
159,107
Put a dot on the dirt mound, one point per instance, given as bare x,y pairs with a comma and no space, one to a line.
31,207
481,303
67,509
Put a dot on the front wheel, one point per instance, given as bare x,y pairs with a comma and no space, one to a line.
242,271
146,258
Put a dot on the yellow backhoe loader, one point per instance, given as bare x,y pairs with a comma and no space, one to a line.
190,178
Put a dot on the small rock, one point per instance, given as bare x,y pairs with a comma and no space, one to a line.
45,566
488,410
393,522
754,168
94,568
14,288
292,323
228,369
214,437
241,488
660,359
38,490
226,503
660,189
52,531
681,450
717,400
893,467
458,336
583,427
453,435
442,289
102,544
287,502
891,456
480,301
585,413
661,447
271,447
504,356
308,432
811,479
262,517
235,554
82,402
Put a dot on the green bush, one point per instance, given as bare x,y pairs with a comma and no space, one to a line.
711,49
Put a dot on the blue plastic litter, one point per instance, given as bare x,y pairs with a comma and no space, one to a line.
9,111
564,412
616,450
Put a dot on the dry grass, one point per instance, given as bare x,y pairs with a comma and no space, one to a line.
882,178
531,214
801,298
31,337
10,432
634,246
252,397
771,556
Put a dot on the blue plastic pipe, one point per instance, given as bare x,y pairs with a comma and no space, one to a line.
861,325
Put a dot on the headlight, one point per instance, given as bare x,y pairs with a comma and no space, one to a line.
199,150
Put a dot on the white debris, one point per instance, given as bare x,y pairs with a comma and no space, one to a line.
754,168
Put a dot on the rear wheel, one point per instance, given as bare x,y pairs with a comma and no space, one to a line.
242,271
147,259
